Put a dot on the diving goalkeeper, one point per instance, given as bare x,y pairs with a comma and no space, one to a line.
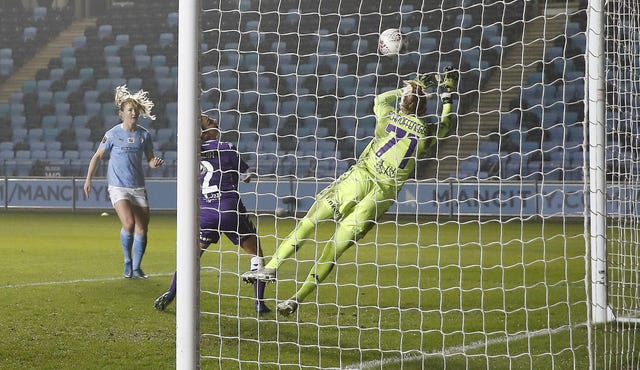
364,193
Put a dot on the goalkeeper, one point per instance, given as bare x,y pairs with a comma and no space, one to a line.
364,193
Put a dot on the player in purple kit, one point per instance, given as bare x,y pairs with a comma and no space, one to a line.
221,209
128,145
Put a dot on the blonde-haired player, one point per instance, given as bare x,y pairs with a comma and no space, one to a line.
127,144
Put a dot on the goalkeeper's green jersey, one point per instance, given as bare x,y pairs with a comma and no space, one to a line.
400,139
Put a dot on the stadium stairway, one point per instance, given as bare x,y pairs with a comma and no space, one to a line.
42,58
481,120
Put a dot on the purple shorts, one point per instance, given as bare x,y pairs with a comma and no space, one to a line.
226,216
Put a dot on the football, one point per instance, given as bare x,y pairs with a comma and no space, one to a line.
391,42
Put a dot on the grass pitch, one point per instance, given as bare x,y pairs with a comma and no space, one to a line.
451,294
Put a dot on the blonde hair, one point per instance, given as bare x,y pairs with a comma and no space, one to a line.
140,99
414,99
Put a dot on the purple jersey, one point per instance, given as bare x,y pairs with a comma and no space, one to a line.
220,168
221,210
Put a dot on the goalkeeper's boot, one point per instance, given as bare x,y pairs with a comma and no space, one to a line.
287,307
138,273
128,270
163,301
264,274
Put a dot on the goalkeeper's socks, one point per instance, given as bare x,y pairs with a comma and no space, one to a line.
139,246
126,238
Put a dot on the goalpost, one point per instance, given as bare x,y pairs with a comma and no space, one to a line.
515,247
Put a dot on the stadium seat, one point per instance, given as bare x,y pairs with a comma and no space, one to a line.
6,53
165,40
172,20
121,40
39,13
105,32
79,42
143,61
71,154
29,34
6,67
55,154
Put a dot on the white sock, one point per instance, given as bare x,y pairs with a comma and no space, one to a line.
257,263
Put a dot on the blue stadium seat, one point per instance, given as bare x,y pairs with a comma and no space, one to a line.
105,31
29,86
29,34
115,72
121,40
71,154
68,63
85,73
18,122
61,96
23,154
172,19
39,13
158,60
428,44
139,49
43,85
6,53
56,74
142,62
79,42
74,85
165,39
38,154
53,145
68,51
16,97
45,98
6,67
55,154
110,51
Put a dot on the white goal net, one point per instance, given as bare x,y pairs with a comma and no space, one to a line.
484,260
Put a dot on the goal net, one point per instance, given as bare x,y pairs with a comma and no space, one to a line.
484,259
622,97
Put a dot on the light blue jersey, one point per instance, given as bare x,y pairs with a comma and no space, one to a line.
127,151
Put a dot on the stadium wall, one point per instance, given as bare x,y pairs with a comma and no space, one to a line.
423,198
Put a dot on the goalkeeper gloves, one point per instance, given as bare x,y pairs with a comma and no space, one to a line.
450,80
426,81
449,83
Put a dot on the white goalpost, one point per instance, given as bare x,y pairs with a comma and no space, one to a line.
515,246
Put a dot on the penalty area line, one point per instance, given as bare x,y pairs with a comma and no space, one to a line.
461,350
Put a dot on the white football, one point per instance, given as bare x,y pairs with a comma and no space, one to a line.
390,42
280,212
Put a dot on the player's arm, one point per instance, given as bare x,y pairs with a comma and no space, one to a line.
93,164
154,162
448,84
384,103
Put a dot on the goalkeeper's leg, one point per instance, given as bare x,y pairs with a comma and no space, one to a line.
334,202
304,231
352,228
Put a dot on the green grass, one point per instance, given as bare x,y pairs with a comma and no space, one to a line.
440,295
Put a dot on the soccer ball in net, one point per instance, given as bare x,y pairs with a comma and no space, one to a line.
391,42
